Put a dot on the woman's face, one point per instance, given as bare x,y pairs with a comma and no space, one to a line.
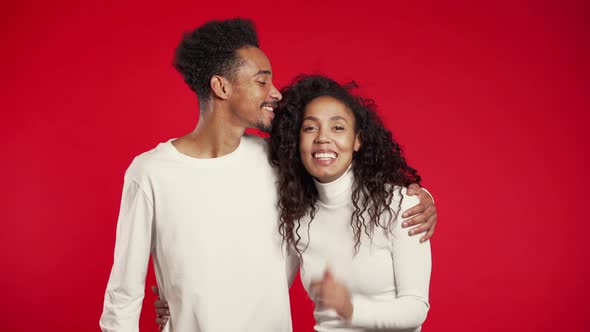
327,138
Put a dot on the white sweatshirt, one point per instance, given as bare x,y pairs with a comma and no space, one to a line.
388,278
211,228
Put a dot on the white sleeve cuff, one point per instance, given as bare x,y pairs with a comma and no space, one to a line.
428,192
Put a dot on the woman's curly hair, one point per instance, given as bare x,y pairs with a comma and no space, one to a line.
378,166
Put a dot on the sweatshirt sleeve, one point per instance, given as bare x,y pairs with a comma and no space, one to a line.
125,289
411,269
429,194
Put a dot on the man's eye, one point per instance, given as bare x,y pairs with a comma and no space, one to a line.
263,83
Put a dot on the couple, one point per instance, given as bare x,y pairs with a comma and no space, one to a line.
204,206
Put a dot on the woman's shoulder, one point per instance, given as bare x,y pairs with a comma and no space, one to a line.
400,194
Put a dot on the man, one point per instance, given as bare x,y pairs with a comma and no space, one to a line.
204,205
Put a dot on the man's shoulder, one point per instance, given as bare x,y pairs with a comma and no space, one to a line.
143,163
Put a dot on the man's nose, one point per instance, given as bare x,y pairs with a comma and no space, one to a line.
275,94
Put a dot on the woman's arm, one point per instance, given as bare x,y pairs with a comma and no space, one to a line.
411,268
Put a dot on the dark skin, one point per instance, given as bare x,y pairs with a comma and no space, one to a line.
424,214
162,310
423,221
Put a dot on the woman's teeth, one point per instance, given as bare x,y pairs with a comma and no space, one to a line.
324,155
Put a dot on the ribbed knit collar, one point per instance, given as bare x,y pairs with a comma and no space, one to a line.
338,191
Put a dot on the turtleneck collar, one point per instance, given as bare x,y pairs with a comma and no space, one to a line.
337,192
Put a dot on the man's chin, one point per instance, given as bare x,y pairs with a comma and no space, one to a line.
263,127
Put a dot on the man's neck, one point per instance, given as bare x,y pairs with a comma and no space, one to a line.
215,136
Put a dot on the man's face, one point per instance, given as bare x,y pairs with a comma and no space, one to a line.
254,97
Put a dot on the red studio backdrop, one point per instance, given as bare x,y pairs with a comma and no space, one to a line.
489,99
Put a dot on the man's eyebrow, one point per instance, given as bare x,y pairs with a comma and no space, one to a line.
263,72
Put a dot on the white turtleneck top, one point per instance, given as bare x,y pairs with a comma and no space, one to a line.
389,276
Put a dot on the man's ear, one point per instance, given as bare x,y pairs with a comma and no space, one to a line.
220,86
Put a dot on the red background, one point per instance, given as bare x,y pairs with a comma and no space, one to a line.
490,100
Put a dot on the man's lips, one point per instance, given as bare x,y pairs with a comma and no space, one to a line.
269,106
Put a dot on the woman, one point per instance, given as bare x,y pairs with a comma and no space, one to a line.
342,195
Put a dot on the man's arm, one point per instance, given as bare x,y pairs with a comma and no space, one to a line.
291,264
125,289
423,215
162,309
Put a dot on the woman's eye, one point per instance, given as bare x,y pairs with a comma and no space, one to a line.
308,129
262,83
338,128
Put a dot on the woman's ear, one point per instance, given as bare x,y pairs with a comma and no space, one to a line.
357,142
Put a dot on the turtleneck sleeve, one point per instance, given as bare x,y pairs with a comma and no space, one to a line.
411,269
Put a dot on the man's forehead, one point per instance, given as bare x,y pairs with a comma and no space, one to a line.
255,61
